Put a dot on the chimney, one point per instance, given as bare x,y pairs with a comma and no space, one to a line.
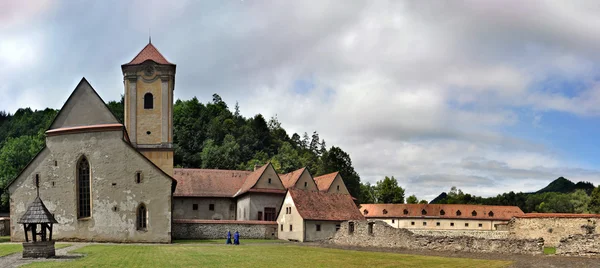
256,167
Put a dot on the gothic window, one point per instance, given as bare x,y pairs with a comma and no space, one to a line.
83,188
142,218
148,101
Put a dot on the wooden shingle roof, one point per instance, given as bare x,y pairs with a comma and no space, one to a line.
37,213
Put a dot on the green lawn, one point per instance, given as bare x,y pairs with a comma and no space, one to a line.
259,255
222,241
10,248
4,239
549,250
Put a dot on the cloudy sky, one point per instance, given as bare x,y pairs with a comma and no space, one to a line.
488,96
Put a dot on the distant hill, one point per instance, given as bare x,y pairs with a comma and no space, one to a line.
562,185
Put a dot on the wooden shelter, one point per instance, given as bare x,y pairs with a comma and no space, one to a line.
38,214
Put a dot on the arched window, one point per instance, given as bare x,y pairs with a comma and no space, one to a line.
142,217
366,212
491,214
148,101
442,212
424,212
405,212
385,211
458,213
474,213
83,188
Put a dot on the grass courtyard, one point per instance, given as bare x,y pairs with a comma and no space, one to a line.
251,255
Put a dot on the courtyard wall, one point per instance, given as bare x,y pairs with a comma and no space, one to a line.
579,245
552,228
217,229
455,233
380,234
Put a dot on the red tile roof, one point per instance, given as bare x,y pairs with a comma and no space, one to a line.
222,221
313,205
435,211
149,52
290,179
251,180
324,182
208,182
557,215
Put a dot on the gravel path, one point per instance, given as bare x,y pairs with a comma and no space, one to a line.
519,261
15,260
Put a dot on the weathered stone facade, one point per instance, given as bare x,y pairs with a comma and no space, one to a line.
455,233
4,226
223,208
380,234
552,230
206,229
579,245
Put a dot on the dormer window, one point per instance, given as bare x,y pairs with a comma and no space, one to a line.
385,211
424,212
366,212
442,212
474,213
458,213
405,212
491,214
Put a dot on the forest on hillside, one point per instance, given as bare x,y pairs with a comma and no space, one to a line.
207,135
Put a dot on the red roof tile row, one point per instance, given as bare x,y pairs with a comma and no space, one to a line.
313,205
149,52
453,211
324,182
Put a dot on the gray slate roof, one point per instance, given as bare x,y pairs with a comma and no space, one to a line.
37,213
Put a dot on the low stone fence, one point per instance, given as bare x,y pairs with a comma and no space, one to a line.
579,245
379,234
217,229
4,226
455,233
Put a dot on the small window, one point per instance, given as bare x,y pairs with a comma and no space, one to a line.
194,206
424,223
305,184
281,227
37,180
211,207
474,213
393,220
148,101
318,227
437,223
491,214
466,224
231,207
338,187
370,228
442,212
138,177
480,225
350,227
412,223
55,163
458,213
337,227
405,212
142,218
291,228
385,211
366,212
269,180
424,212
451,224
52,184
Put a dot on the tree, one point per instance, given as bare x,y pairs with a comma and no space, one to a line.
337,160
412,199
388,191
423,202
594,204
225,156
117,108
314,143
367,194
305,141
287,159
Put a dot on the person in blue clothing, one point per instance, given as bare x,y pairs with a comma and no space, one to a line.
236,238
228,238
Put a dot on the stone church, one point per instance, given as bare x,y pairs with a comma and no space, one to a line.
110,182
105,181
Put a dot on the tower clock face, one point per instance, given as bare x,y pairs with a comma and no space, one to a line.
148,70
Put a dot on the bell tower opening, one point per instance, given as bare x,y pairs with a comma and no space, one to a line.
149,81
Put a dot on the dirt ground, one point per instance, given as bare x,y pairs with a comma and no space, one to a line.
519,261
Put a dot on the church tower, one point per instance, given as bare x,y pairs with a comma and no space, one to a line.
149,81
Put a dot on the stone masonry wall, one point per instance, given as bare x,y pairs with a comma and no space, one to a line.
4,226
383,235
580,245
552,230
455,233
197,229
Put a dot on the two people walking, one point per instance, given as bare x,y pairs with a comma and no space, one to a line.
236,238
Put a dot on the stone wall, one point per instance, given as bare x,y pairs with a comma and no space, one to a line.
580,245
455,233
211,229
4,226
552,230
379,234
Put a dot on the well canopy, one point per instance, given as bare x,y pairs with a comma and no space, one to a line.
37,213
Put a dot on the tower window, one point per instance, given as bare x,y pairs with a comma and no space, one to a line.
142,218
148,101
83,188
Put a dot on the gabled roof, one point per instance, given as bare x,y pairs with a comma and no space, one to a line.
37,213
325,181
435,211
313,205
208,182
252,179
149,52
290,179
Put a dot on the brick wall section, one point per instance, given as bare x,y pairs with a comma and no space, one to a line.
385,236
207,229
455,233
552,230
579,245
